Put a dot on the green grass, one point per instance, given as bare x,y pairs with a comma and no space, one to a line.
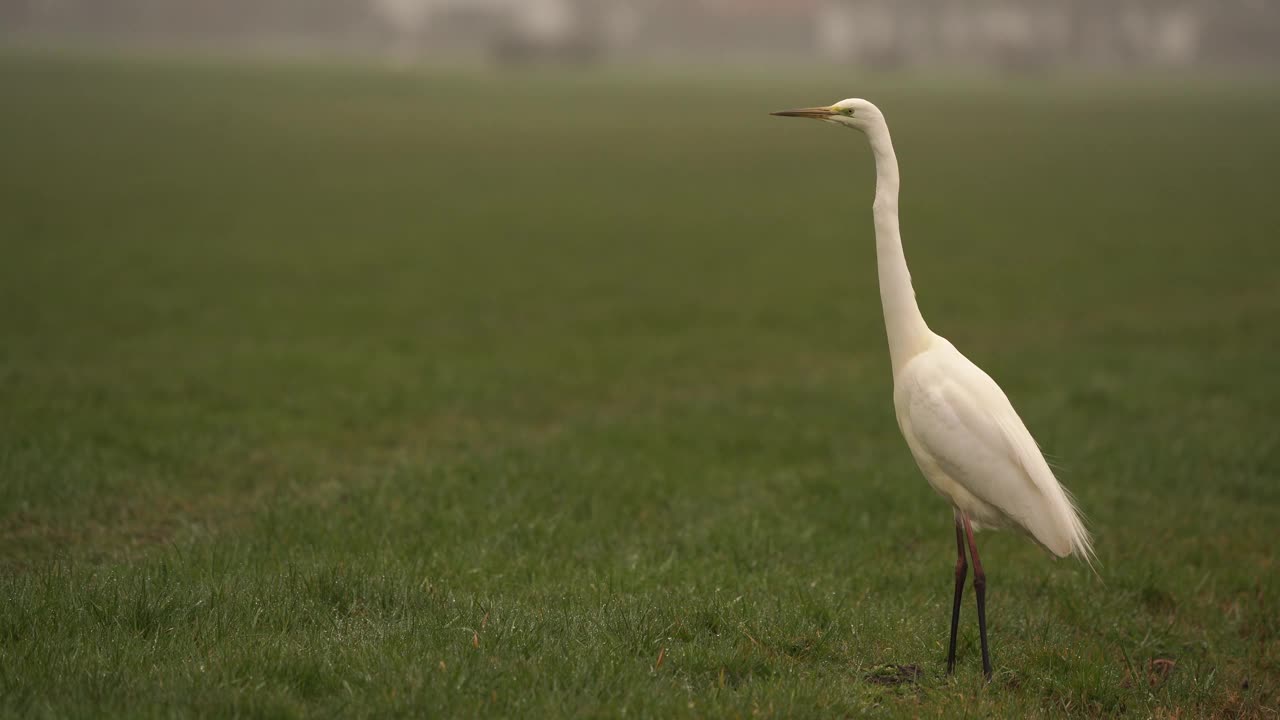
340,392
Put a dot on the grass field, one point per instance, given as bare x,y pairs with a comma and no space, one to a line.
340,392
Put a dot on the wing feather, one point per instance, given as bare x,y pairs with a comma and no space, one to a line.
970,429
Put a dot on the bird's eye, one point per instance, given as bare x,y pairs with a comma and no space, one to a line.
847,111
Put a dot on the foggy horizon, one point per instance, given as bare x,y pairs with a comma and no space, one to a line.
873,34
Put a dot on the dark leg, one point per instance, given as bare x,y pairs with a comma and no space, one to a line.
979,588
962,569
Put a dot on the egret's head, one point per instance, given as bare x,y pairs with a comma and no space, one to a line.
854,112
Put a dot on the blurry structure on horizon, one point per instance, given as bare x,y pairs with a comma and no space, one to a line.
1006,34
1010,34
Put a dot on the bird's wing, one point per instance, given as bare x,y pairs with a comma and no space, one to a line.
968,426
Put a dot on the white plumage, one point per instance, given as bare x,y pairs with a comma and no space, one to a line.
975,451
965,435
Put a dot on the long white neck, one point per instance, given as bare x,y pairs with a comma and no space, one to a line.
907,331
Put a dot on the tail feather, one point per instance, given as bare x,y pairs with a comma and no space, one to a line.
1066,533
1081,540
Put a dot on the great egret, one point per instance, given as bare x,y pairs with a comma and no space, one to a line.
964,434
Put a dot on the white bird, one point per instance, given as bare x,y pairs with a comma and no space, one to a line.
966,437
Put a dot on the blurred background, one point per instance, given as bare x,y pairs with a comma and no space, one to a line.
1007,34
506,358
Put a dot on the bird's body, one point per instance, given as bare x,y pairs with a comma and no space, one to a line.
962,430
975,451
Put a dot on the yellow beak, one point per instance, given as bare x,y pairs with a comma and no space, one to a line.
815,113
